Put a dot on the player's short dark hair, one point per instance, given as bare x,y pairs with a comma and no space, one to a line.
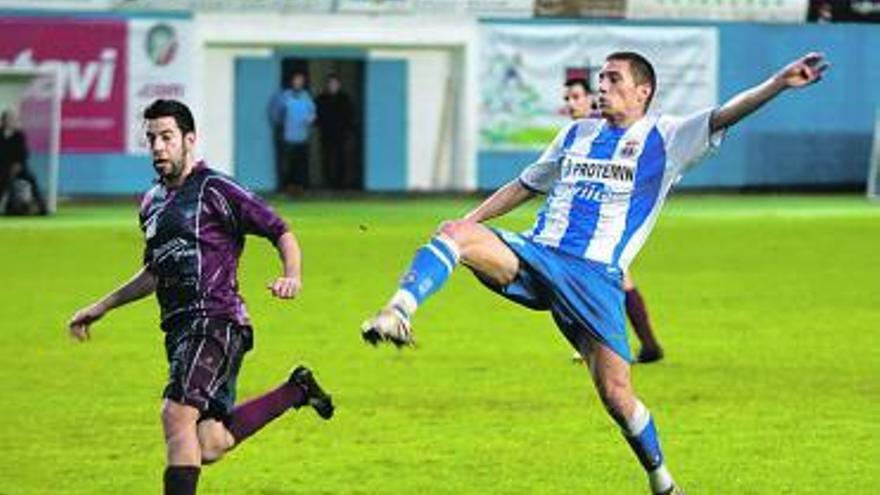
175,109
579,81
641,70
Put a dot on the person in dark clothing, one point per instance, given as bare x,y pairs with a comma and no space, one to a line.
194,221
336,123
275,114
19,192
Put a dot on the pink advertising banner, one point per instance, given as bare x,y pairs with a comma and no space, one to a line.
90,56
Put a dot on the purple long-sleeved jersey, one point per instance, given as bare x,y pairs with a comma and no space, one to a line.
194,238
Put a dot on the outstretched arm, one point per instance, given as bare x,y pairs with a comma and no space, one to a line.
500,202
142,284
802,72
288,285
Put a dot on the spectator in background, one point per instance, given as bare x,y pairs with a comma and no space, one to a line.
19,191
295,111
336,122
275,112
824,13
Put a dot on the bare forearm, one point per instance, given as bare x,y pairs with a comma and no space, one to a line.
291,255
745,103
142,284
500,202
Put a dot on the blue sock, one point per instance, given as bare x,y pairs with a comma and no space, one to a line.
641,434
430,268
647,447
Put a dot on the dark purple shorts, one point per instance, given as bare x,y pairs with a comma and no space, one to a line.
204,356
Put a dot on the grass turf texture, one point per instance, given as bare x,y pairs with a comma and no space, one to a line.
767,307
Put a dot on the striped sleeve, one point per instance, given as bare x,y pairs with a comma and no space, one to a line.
540,175
688,140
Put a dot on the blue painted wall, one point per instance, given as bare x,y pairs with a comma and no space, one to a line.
386,126
256,80
80,174
816,137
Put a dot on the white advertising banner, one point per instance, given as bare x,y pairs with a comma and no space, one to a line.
375,6
720,10
57,4
524,68
477,8
160,59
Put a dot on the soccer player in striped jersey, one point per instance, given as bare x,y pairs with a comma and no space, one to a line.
195,221
580,102
605,180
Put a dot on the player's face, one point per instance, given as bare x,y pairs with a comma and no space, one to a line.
170,148
577,101
619,95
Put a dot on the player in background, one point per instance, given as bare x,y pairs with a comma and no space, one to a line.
194,221
605,179
580,103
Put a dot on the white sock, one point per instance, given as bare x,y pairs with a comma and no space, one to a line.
637,421
405,301
660,479
450,244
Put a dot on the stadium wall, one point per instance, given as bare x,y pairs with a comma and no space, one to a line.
818,138
433,145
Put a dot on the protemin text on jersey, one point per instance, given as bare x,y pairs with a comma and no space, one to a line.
597,169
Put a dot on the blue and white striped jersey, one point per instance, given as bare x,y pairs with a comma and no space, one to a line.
605,186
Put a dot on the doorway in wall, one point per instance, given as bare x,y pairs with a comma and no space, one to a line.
336,140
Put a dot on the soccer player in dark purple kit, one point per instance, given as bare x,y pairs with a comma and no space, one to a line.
194,222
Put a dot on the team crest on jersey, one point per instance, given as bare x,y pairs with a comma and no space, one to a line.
630,148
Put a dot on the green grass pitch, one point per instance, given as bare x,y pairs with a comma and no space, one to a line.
768,307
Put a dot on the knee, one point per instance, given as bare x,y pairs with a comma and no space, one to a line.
457,230
171,418
177,423
212,447
214,440
212,454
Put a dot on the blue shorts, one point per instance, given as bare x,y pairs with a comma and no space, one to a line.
585,299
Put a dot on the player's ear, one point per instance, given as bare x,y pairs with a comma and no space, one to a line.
190,139
644,92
